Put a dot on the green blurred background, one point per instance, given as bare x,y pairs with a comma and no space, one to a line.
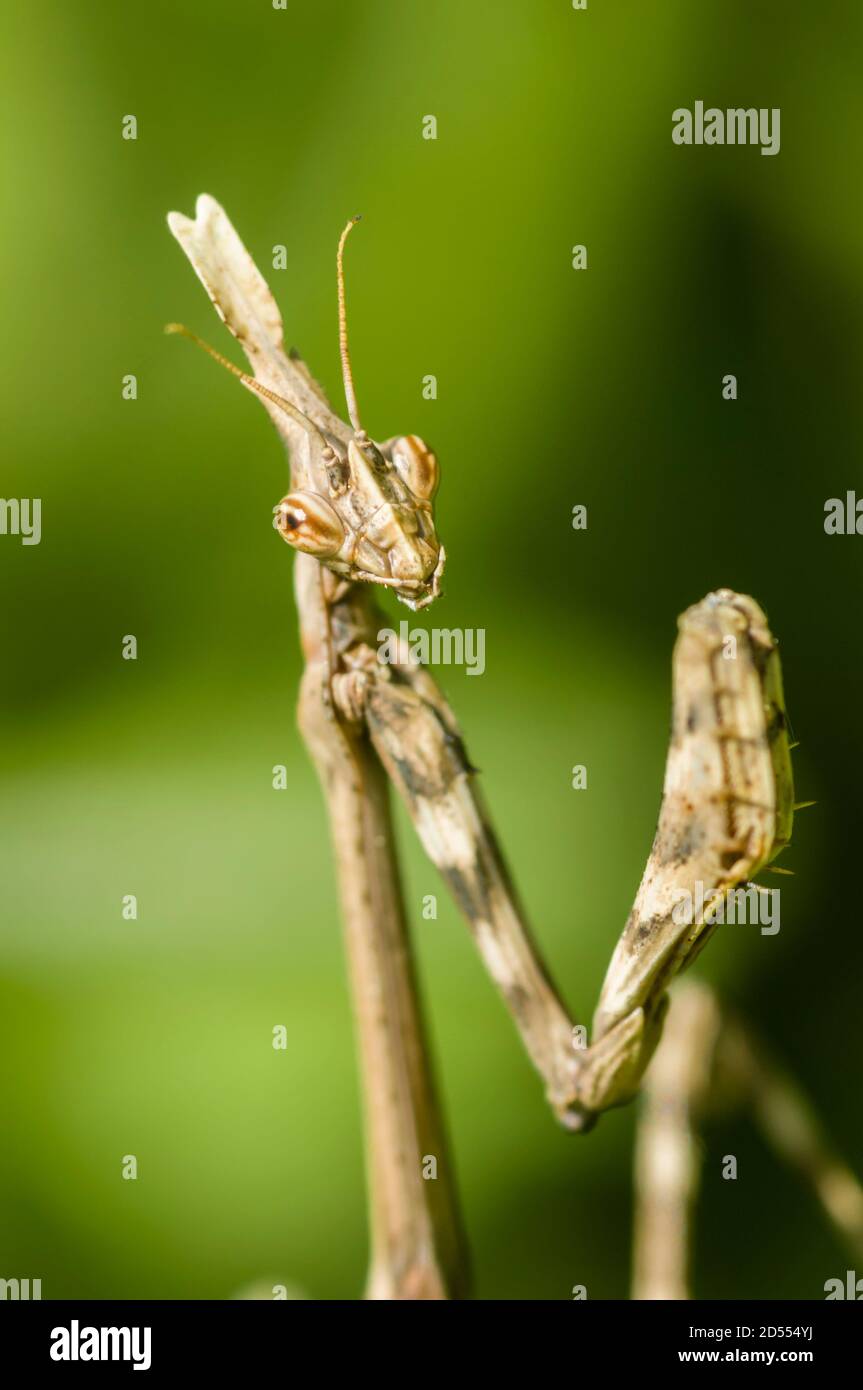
555,387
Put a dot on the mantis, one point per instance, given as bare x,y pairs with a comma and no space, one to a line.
359,516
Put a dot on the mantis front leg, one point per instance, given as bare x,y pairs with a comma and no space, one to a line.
418,742
726,811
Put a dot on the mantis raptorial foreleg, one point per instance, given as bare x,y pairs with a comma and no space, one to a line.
727,801
726,810
419,744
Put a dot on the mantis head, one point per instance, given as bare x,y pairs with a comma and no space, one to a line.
373,520
364,509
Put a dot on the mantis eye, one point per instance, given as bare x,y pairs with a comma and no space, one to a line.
416,465
308,522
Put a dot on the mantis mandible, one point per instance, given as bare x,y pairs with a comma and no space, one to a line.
360,515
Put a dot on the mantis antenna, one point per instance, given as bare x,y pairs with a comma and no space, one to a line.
347,374
249,381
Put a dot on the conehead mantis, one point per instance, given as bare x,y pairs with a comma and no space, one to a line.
360,515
